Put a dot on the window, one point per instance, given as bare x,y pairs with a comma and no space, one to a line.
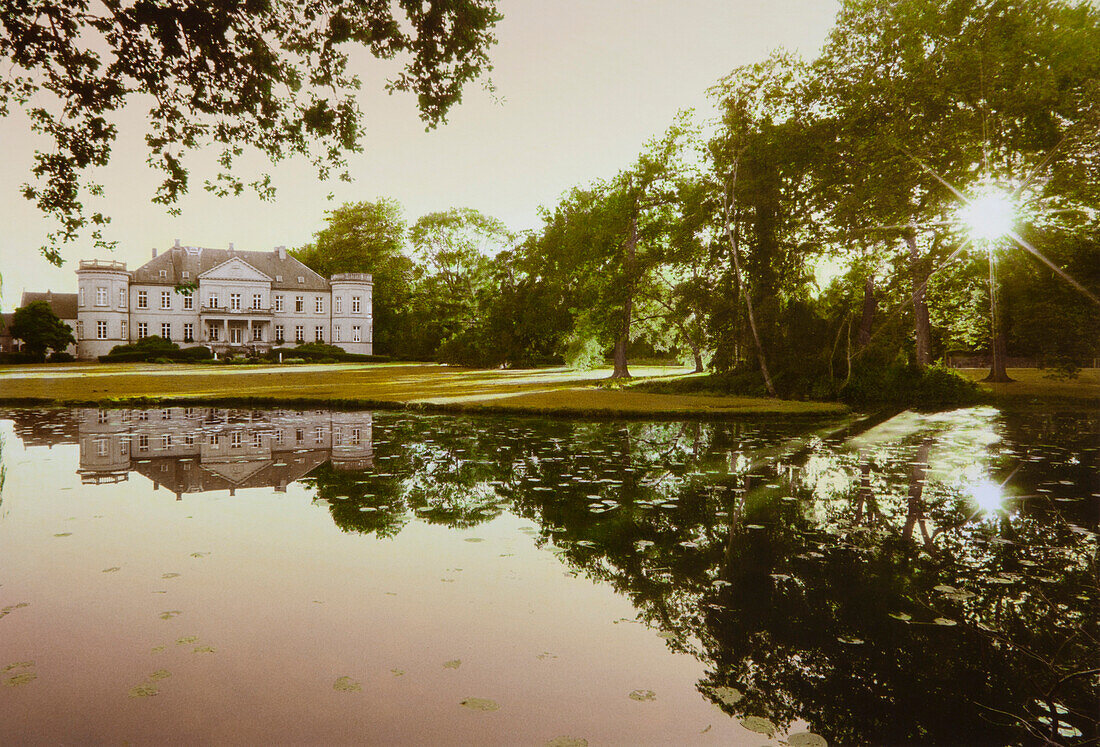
279,332
163,274
80,330
279,436
186,275
143,415
355,304
319,435
212,301
101,330
124,446
355,333
235,301
339,304
336,333
337,436
355,435
299,435
101,446
235,335
188,331
101,416
278,303
166,299
143,299
299,333
299,303
189,439
278,278
235,440
166,441
301,279
143,442
166,330
122,298
319,334
257,334
256,299
257,440
123,330
166,414
143,330
101,296
214,440
319,305
188,302
213,332
81,296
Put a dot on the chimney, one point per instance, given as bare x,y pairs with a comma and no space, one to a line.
177,243
155,250
230,246
281,251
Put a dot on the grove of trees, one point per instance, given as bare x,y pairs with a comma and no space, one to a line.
705,248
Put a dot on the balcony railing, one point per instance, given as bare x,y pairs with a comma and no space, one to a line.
102,264
243,311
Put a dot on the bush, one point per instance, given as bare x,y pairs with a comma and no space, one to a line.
19,357
162,360
319,352
154,352
294,361
61,358
908,385
583,353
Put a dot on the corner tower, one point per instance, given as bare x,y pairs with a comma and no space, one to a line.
352,312
102,312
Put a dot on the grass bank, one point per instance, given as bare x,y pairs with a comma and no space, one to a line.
1034,385
550,391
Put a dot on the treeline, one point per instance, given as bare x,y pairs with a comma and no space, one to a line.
862,161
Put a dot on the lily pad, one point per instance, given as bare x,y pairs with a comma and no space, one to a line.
807,739
187,640
480,704
143,691
111,569
170,575
452,664
728,695
169,614
64,534
643,695
20,679
158,649
944,621
397,672
904,617
758,724
19,665
474,539
160,674
346,684
567,742
199,554
204,650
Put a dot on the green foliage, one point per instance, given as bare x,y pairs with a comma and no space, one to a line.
156,349
908,385
40,329
584,353
272,77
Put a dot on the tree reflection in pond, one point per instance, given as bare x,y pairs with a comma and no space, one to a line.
854,584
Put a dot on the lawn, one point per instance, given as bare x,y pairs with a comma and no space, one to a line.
556,391
1033,383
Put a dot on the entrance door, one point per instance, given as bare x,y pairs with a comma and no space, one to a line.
235,335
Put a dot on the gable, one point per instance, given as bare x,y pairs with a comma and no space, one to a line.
235,269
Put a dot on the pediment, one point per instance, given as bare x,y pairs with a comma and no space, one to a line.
234,269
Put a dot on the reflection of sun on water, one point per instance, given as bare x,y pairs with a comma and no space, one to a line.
987,496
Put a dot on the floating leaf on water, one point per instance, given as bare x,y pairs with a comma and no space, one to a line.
546,655
728,695
852,640
480,704
759,724
187,639
346,684
452,664
143,691
19,665
204,650
20,679
567,742
169,614
474,539
199,554
158,649
944,621
170,575
397,672
901,616
64,534
643,695
807,739
160,674
111,569
944,589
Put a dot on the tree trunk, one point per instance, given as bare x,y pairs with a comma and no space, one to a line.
629,266
870,305
748,296
697,354
999,346
922,326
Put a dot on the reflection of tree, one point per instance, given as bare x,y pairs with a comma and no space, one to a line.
860,592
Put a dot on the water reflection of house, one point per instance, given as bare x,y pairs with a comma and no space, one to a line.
198,449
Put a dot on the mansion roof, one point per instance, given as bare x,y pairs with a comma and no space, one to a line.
62,304
284,271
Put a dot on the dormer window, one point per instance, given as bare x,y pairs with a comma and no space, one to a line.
278,278
186,275
301,279
163,274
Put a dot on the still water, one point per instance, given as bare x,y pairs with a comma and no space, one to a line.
203,575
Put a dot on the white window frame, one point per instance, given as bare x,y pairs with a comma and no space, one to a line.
166,330
279,332
143,330
101,295
143,299
356,304
188,331
101,330
257,299
299,333
278,303
166,299
319,305
189,302
356,333
122,298
339,301
234,301
299,304
212,300
318,334
336,333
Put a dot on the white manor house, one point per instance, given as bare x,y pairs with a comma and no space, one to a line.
230,301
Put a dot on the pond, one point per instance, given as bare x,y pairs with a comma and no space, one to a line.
206,575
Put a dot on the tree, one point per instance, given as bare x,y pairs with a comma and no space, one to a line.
272,75
368,237
40,328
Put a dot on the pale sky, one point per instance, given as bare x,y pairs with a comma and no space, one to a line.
582,84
